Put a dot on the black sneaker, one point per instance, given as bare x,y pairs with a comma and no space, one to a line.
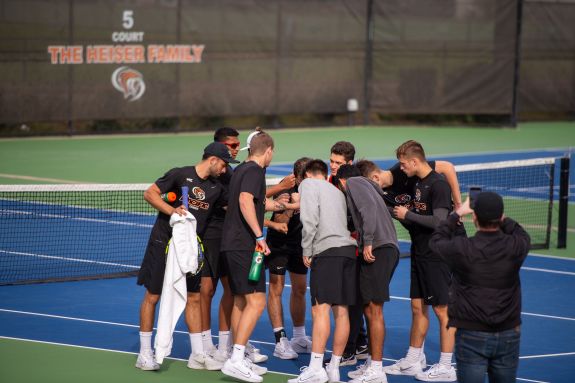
346,360
361,352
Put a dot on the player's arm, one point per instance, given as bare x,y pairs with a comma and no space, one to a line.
280,227
248,210
152,195
286,183
448,170
309,216
440,199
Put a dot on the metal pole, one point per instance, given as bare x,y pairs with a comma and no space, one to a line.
70,98
563,203
368,63
517,63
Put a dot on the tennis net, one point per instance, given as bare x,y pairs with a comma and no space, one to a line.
68,232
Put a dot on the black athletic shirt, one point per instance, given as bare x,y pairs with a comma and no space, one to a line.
216,221
431,192
204,194
248,177
400,193
292,239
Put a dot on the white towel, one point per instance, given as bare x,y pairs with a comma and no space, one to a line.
182,258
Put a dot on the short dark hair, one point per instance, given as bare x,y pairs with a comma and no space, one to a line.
410,149
366,167
345,149
347,171
316,167
299,166
491,224
260,143
222,133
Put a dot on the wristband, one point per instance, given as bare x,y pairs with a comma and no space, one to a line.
260,238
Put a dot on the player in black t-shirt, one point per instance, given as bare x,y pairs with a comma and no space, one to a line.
430,276
286,254
204,194
243,230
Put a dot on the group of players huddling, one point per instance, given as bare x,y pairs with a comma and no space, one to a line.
336,222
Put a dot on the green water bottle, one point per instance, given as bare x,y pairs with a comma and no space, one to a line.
257,263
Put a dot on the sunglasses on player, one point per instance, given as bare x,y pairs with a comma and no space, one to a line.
234,145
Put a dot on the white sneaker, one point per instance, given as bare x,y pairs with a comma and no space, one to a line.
254,354
332,373
203,361
370,375
438,373
309,375
211,351
221,355
283,350
406,367
240,370
359,370
146,362
255,368
301,345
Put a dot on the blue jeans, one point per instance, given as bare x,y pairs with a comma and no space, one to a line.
494,353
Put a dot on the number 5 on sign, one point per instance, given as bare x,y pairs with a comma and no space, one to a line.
128,19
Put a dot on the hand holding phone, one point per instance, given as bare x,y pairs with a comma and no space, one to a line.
473,193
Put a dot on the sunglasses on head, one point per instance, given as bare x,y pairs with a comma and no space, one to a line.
234,145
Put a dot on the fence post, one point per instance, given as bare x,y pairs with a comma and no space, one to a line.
517,63
367,78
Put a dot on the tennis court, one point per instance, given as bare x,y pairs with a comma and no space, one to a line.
87,330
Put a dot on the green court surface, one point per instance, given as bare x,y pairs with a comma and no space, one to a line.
49,363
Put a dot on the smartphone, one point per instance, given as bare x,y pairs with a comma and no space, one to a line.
473,192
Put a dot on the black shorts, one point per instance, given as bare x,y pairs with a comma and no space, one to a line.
430,280
333,277
238,263
214,264
374,278
282,259
151,274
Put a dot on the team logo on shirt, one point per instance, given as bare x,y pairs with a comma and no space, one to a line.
199,193
417,194
402,198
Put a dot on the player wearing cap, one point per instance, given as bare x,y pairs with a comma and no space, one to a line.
243,229
430,276
485,305
205,193
214,268
329,252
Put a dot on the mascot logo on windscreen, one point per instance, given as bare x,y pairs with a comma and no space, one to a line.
130,82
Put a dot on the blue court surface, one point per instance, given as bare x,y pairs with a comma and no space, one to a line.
104,314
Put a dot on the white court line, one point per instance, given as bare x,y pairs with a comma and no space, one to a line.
547,316
60,258
547,355
547,270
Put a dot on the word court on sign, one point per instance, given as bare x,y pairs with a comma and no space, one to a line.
125,54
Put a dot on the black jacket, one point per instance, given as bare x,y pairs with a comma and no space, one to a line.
485,294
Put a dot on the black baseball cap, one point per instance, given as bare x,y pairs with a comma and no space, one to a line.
221,151
488,206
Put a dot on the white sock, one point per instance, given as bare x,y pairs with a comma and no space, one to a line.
207,339
196,342
145,342
335,361
413,353
223,342
238,352
376,365
230,340
445,358
316,361
299,332
369,360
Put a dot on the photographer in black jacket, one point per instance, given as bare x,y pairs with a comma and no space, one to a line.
485,294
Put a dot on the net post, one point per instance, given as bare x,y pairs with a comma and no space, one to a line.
563,203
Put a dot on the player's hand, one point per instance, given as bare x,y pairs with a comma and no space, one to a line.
464,209
282,198
287,182
180,210
307,261
295,197
367,254
400,212
262,244
282,227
